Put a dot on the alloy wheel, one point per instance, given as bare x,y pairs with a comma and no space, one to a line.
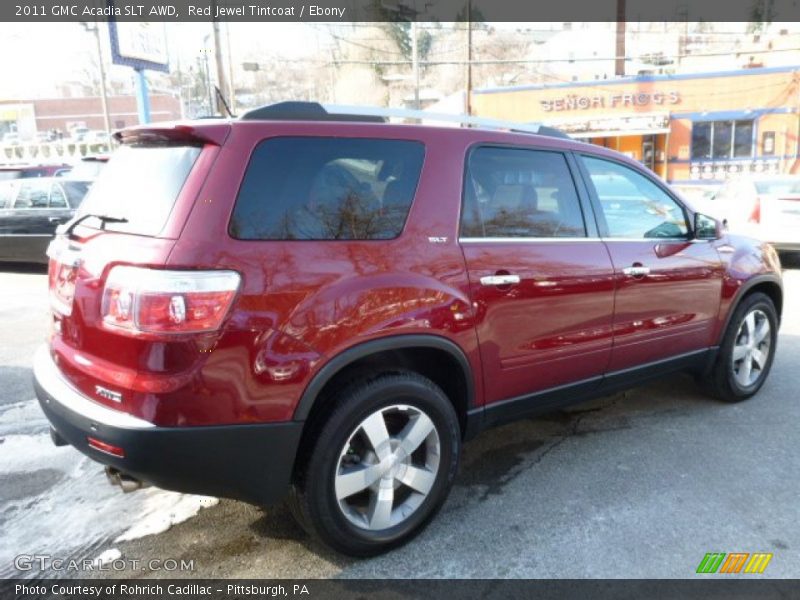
387,467
751,348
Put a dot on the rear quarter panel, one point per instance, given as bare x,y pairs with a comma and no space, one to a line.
304,302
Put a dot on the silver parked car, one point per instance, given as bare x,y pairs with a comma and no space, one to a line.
764,207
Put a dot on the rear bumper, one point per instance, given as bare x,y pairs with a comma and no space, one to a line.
246,462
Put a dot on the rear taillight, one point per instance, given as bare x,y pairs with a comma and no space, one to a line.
755,215
154,301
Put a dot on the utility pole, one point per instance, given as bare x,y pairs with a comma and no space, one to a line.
103,96
415,62
619,62
209,84
232,96
221,79
468,63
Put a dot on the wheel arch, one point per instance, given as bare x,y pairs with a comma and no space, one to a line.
768,284
436,357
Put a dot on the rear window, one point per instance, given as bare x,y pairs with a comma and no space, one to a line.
777,187
312,188
140,184
6,175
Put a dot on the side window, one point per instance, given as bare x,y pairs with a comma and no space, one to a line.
511,192
633,206
6,195
57,197
32,194
315,188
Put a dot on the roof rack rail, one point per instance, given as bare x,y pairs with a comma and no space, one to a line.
303,111
314,111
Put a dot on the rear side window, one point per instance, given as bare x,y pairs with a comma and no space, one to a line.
313,188
139,184
511,192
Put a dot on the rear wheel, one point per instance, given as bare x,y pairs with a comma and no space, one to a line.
381,465
747,350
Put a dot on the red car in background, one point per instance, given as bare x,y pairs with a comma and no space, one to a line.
320,305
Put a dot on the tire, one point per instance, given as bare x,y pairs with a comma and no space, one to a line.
727,380
329,496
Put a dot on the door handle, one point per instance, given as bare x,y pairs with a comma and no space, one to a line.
57,220
636,271
500,280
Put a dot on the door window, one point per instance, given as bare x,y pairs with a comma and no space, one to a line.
57,197
32,194
518,193
634,207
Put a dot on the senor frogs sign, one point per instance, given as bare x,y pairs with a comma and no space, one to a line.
576,102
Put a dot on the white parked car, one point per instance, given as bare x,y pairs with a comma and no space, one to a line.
764,207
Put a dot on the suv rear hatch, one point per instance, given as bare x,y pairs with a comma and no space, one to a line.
121,320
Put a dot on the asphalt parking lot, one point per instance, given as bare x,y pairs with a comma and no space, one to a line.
638,485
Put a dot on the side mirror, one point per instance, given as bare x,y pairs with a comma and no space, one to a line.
707,228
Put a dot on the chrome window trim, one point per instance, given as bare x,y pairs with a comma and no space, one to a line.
483,240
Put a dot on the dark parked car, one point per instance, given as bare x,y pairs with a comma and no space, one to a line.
30,211
87,169
30,171
319,305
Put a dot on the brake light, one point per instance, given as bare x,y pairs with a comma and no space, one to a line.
755,216
137,300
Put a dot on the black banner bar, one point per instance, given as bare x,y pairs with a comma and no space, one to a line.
398,10
722,588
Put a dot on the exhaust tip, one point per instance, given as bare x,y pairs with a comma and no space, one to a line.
124,481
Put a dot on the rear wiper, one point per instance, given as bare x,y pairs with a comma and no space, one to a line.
70,227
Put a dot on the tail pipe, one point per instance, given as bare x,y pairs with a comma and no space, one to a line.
123,480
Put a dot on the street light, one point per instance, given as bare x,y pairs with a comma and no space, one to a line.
103,96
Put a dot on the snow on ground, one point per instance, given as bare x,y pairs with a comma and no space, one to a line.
56,501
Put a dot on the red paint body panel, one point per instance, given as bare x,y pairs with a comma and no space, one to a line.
670,311
554,327
302,303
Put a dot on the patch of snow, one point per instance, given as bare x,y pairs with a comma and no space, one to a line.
81,511
22,417
107,557
162,511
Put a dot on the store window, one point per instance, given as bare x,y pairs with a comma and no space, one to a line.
722,140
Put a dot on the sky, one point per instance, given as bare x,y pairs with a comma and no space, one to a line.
47,52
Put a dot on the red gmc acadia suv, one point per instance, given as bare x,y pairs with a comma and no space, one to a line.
323,307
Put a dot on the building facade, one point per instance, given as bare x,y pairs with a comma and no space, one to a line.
699,128
27,117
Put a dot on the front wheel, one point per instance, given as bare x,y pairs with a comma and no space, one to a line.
747,350
381,466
